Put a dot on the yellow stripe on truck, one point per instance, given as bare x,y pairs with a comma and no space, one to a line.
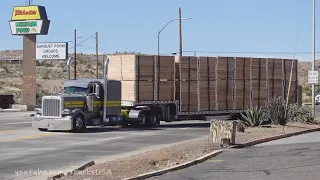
80,104
109,103
74,104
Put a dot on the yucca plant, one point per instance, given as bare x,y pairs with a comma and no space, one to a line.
253,116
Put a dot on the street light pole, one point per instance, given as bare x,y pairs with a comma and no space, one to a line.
75,54
313,55
180,34
158,43
164,28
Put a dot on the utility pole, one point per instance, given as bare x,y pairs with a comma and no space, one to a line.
75,53
180,33
29,2
313,55
97,53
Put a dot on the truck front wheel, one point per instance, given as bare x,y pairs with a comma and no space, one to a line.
79,124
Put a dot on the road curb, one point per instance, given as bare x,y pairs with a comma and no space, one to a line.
177,167
82,167
210,155
259,141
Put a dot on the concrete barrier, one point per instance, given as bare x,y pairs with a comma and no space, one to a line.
223,131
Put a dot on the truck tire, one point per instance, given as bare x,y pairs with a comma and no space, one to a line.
142,119
79,124
152,119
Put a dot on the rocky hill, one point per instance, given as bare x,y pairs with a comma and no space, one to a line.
51,74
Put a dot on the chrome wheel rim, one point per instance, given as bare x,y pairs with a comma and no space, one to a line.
142,119
79,123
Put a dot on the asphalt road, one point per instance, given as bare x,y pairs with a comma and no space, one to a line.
26,150
294,158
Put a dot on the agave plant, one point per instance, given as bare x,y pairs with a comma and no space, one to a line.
254,116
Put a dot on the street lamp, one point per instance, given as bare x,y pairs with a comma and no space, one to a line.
164,28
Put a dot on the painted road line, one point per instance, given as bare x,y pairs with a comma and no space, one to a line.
216,160
108,139
24,130
35,136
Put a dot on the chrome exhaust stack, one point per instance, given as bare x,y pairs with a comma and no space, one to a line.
105,81
68,68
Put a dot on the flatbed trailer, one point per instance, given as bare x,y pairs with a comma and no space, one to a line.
209,86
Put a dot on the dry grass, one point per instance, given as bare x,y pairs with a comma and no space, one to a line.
167,157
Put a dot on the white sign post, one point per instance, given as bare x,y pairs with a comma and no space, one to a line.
52,51
313,77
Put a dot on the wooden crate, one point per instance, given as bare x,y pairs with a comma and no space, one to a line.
207,95
188,96
144,77
226,83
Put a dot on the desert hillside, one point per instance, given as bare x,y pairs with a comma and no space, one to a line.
50,74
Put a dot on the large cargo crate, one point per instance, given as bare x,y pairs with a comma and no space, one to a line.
144,77
232,83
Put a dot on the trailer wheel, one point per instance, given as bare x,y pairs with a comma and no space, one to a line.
152,120
79,125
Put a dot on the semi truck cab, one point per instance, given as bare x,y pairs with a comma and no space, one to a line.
84,102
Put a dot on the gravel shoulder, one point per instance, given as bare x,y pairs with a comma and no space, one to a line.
176,154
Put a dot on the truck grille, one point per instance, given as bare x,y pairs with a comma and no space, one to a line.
51,107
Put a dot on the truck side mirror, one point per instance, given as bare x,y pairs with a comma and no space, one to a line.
97,90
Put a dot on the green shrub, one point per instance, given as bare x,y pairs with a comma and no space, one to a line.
254,116
277,111
300,113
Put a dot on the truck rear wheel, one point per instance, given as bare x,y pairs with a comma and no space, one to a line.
79,124
152,119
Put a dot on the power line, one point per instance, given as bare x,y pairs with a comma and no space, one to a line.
246,52
83,40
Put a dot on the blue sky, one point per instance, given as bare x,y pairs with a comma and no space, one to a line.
265,26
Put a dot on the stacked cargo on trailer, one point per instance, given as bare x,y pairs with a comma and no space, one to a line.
209,85
174,88
148,87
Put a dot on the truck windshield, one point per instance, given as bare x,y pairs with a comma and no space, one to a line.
76,90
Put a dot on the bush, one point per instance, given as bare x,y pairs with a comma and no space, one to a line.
300,113
254,116
277,112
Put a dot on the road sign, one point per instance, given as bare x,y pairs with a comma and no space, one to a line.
313,77
27,27
52,51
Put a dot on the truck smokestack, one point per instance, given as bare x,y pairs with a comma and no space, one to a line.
68,67
105,82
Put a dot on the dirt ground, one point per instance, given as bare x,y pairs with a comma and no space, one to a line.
180,153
